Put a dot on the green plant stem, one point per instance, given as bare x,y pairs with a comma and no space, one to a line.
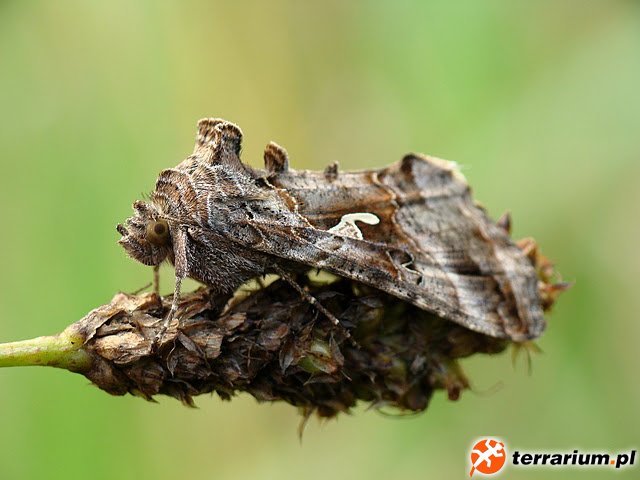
61,351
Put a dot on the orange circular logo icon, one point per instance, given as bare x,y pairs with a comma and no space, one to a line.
487,456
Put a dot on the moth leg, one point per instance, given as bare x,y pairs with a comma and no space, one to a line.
314,301
180,253
141,289
172,311
174,303
156,279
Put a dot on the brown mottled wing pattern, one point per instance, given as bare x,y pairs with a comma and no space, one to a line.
433,245
428,242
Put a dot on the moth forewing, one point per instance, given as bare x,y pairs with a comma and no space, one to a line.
433,245
411,229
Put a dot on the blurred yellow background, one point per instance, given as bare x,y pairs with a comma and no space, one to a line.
538,101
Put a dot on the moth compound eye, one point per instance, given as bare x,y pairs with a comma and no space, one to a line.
158,232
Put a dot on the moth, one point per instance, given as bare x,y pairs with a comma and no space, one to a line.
411,229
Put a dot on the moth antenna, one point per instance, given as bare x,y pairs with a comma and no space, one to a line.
331,171
276,159
504,222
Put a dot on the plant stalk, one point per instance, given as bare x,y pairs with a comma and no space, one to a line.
61,351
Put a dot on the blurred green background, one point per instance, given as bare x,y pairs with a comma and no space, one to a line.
538,101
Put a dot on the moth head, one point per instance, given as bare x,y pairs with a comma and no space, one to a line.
146,236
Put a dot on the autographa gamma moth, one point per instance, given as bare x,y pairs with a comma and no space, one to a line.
411,230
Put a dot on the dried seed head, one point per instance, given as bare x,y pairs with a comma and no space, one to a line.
274,345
